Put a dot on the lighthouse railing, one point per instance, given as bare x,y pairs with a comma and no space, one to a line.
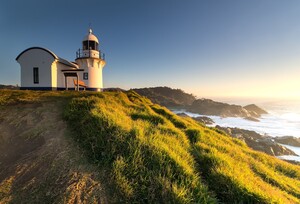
79,54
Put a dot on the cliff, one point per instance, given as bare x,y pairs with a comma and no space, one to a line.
255,110
176,98
166,96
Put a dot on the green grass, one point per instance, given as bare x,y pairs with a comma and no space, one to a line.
148,157
154,156
157,157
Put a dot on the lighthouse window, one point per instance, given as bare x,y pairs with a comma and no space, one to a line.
85,45
85,76
35,75
92,45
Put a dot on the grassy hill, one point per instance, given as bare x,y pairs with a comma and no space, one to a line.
149,155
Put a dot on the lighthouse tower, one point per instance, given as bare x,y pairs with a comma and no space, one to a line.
91,61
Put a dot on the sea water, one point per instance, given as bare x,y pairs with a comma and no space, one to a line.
283,119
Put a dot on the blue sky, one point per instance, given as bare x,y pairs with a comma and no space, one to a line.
212,48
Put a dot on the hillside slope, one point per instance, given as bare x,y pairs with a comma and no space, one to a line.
138,152
155,156
39,162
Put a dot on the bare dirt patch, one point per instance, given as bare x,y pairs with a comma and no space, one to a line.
39,163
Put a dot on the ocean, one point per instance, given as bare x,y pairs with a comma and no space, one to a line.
283,119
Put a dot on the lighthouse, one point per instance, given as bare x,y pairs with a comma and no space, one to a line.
42,69
91,61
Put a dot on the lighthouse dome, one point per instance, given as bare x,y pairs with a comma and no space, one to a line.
91,37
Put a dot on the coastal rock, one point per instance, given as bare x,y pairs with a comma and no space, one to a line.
269,146
254,109
252,119
204,119
182,114
258,142
210,107
288,140
292,161
241,132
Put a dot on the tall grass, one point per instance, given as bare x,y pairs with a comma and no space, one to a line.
154,156
148,158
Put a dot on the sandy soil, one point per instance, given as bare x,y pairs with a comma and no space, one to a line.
39,163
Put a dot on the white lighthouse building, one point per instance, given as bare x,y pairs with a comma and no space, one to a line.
91,60
41,69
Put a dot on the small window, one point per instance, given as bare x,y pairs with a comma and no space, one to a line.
85,76
85,45
35,75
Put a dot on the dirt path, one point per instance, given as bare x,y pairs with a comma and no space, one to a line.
39,163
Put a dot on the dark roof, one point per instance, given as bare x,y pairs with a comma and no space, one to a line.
71,74
60,60
71,70
31,48
66,62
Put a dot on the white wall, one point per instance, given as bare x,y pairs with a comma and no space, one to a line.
61,78
36,58
94,68
82,63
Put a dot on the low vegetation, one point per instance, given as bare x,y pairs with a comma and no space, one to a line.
156,156
150,155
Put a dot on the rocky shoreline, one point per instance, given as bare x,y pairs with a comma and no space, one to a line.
288,140
267,144
258,142
176,99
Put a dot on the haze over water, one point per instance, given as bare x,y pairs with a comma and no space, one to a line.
283,118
